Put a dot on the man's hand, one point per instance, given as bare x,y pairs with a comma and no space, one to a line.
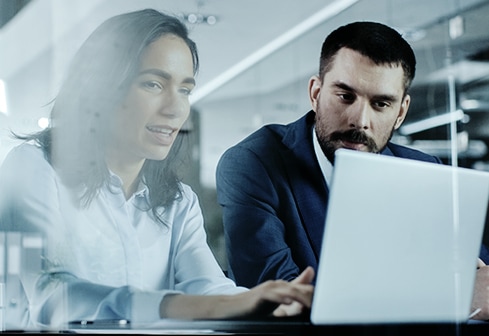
480,300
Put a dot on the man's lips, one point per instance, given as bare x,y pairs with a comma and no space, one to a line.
353,144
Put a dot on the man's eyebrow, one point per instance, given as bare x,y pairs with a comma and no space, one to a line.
166,75
384,97
343,86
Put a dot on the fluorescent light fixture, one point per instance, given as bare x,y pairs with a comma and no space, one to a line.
442,148
3,97
433,122
456,27
469,104
326,13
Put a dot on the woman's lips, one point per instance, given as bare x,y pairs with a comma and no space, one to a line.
162,134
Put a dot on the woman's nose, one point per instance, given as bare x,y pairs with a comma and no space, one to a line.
174,105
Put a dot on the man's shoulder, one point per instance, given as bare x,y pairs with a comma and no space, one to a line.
411,153
272,135
264,135
265,142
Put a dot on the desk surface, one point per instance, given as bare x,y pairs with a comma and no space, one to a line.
286,328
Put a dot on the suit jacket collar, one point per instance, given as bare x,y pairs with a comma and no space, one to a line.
387,151
306,179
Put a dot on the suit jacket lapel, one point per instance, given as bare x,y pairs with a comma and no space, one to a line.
306,179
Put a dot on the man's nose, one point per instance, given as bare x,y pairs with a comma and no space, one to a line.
359,116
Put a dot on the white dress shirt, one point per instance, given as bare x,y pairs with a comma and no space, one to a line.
324,163
113,258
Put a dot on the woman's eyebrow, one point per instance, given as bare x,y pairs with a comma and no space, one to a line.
166,75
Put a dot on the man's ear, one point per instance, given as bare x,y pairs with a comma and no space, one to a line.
314,88
402,111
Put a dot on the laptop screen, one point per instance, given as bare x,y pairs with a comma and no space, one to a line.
401,241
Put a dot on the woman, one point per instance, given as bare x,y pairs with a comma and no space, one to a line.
125,238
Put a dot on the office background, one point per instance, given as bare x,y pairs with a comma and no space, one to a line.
256,59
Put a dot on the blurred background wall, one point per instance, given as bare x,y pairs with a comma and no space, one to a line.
256,59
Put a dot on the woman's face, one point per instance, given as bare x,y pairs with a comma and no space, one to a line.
157,104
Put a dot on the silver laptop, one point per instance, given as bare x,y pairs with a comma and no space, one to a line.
401,241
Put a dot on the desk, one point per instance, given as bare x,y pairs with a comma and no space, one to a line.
243,327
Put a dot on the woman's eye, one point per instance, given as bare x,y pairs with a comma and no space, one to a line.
186,91
152,85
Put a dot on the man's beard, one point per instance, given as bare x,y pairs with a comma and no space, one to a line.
329,146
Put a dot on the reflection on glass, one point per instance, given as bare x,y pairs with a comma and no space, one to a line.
448,46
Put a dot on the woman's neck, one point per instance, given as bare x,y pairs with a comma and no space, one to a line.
128,173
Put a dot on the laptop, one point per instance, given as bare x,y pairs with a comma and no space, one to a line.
401,241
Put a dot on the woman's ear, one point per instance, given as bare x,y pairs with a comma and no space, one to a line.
314,88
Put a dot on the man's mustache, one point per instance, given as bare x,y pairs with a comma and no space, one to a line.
356,137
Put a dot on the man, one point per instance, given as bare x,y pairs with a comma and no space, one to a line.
273,185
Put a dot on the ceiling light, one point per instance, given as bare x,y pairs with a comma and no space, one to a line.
43,122
211,19
197,18
470,104
456,27
429,123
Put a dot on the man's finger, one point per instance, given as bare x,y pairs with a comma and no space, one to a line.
480,263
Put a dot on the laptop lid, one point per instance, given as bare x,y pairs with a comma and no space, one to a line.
401,241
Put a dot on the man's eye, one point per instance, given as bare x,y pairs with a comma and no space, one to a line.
381,104
348,97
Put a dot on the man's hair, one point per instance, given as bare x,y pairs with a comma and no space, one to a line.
382,44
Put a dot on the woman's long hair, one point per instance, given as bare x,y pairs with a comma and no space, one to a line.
96,83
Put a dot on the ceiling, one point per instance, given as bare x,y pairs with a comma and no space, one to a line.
44,28
249,36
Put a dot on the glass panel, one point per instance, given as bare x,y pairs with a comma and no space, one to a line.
447,117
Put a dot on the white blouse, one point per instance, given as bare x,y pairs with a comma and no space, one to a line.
113,259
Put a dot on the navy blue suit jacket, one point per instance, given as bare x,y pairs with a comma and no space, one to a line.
274,201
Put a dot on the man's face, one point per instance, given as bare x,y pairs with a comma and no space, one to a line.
358,104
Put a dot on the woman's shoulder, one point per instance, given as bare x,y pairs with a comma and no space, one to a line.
25,150
188,193
188,202
25,162
24,155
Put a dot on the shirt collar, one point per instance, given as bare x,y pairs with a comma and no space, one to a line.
116,181
324,163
